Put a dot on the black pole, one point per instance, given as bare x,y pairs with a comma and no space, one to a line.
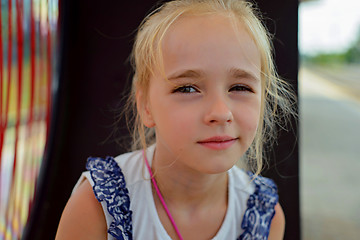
282,21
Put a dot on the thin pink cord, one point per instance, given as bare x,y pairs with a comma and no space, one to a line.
161,198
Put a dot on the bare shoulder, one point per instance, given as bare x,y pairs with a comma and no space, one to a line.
83,217
277,227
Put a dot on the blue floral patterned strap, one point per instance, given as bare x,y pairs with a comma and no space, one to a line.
110,186
260,209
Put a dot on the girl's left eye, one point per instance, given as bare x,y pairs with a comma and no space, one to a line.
240,88
185,89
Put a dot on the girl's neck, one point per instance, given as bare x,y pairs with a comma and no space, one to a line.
184,188
189,200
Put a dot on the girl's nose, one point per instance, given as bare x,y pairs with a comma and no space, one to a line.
218,112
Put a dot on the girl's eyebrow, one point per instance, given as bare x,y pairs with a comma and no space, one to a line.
186,74
236,73
242,74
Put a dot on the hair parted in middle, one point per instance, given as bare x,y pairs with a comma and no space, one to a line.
146,57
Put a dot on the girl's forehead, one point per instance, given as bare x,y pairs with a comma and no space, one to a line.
187,23
207,29
204,40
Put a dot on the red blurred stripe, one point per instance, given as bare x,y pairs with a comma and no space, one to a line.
20,61
2,129
9,65
9,61
41,56
49,71
32,81
32,62
20,51
7,99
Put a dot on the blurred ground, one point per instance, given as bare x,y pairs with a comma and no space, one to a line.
330,152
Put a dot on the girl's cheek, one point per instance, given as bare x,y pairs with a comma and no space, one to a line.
248,117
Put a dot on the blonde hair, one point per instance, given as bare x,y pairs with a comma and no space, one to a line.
146,56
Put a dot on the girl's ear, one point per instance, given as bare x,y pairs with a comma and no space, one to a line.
143,108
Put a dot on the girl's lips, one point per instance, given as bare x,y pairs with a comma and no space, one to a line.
218,143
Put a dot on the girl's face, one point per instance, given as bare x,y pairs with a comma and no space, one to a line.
207,111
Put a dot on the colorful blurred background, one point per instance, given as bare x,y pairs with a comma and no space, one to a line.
28,39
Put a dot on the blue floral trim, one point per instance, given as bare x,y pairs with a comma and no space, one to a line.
110,186
260,209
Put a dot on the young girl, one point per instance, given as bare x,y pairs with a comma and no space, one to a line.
206,97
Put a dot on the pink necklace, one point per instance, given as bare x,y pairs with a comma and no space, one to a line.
161,198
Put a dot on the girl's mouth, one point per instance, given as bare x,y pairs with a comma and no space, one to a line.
218,142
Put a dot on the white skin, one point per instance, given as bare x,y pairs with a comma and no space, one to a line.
214,89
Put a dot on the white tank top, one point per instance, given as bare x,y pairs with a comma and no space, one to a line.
140,216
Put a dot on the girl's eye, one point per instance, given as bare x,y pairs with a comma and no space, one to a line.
240,88
185,89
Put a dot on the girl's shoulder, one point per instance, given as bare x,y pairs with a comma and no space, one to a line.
246,181
102,187
260,204
110,178
82,211
264,186
128,166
